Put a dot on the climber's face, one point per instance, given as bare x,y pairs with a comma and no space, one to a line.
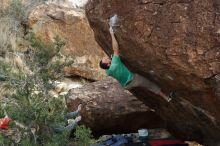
106,60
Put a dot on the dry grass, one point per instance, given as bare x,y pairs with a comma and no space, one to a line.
10,31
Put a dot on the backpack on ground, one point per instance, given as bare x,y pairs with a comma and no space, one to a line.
116,140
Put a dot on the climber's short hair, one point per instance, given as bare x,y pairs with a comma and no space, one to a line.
103,65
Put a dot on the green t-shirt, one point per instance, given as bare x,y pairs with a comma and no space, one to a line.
119,71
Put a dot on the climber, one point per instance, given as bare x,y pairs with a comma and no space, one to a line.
71,121
115,68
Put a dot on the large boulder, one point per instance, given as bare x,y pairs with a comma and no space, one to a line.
107,108
175,43
49,20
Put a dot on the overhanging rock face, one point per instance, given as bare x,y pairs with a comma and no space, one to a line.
175,43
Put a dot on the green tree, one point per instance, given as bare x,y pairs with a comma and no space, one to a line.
31,104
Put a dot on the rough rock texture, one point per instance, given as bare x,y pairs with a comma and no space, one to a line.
3,4
175,43
108,108
47,21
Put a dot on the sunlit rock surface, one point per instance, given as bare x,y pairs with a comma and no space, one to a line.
70,24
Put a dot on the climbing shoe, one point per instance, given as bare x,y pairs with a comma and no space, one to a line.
172,95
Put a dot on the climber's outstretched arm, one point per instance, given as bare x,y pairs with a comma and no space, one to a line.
114,42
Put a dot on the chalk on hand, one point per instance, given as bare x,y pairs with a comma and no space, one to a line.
113,20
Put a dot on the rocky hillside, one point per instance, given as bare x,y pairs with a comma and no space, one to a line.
61,18
49,20
177,45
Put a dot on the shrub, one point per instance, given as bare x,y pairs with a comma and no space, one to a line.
10,26
83,136
10,31
31,104
16,10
